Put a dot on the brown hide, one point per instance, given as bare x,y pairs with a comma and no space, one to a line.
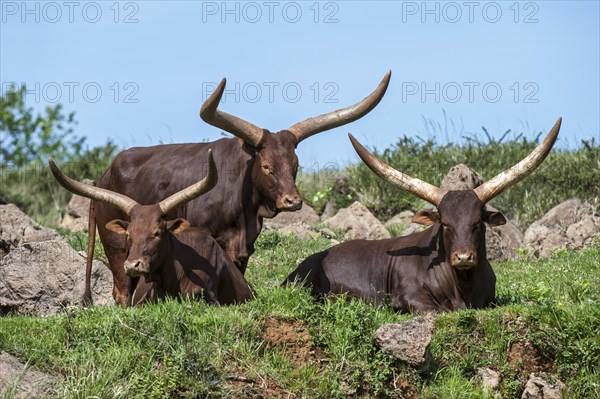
196,268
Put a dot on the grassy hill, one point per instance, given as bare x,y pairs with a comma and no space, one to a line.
284,344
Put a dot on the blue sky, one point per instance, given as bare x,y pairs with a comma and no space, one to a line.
137,72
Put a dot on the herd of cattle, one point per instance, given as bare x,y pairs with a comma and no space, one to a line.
165,232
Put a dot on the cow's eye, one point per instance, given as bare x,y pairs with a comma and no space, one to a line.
267,168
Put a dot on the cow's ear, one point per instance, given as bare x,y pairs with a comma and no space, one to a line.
494,218
426,217
117,226
178,225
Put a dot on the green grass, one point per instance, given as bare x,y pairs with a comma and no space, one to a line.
190,350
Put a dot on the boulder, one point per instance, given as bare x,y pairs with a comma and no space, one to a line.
76,218
16,228
306,214
357,222
329,211
299,229
543,386
572,224
39,271
19,381
461,177
402,223
44,277
490,379
502,242
408,341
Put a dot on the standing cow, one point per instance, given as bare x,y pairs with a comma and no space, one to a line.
442,268
258,170
177,260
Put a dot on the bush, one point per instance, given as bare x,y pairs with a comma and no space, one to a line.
26,142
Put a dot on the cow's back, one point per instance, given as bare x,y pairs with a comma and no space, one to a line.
358,268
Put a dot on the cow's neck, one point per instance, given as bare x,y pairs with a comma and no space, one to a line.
241,224
170,273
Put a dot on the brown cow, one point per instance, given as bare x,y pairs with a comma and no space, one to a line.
258,171
177,260
442,268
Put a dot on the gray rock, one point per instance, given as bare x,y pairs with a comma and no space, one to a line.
501,242
490,379
306,214
404,218
571,224
76,218
44,277
408,341
328,233
356,222
403,224
19,381
461,177
16,228
299,229
329,211
543,386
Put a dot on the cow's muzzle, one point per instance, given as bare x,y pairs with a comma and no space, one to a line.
289,202
135,268
463,259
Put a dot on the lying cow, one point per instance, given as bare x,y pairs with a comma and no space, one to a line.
177,260
442,268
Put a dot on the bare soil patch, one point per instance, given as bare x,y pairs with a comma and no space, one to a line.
293,338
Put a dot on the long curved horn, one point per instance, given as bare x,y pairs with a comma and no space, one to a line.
120,201
518,172
210,114
307,128
421,189
193,191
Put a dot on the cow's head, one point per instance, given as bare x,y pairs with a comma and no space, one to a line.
462,214
275,162
148,226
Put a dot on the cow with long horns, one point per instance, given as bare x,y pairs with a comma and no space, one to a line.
442,268
175,259
258,170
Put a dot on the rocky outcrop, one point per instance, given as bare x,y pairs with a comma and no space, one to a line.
40,272
19,381
76,218
572,224
543,386
402,225
306,214
357,222
16,228
408,341
461,177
